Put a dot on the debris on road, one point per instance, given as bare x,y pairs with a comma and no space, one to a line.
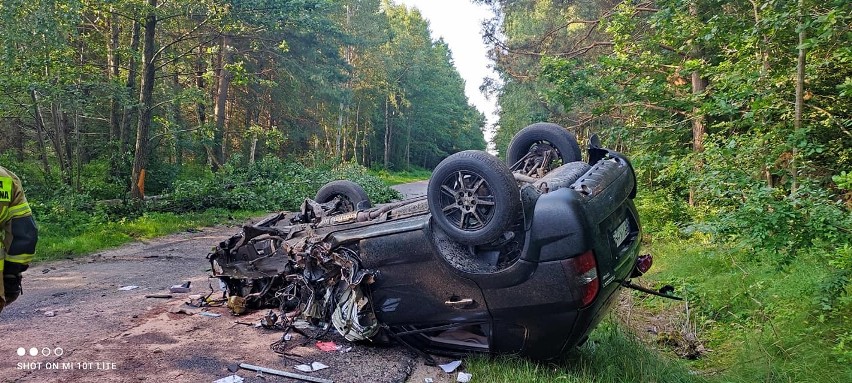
209,314
185,309
49,314
128,288
230,379
164,296
315,366
284,373
463,377
327,346
450,367
182,288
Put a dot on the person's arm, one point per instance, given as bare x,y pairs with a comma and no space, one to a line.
22,236
22,247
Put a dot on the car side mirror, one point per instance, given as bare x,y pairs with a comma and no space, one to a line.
594,141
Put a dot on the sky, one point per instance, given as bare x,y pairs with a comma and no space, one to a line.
459,22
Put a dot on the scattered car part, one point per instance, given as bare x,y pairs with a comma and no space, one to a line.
291,375
664,292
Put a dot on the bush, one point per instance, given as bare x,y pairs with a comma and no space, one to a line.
269,184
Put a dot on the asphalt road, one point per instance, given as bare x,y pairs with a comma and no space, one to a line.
83,327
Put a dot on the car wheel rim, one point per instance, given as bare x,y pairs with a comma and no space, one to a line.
467,200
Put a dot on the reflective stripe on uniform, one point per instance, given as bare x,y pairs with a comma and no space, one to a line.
4,212
18,211
20,258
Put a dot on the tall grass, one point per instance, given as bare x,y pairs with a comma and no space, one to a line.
612,354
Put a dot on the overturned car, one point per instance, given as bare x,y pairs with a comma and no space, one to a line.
520,258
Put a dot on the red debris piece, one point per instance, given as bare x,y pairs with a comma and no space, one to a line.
327,346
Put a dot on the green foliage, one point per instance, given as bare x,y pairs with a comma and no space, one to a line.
661,214
269,184
843,180
761,323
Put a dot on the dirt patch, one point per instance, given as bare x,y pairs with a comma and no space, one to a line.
672,328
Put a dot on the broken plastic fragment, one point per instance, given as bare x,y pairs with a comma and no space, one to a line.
230,379
315,366
327,346
450,367
128,288
209,314
463,377
180,289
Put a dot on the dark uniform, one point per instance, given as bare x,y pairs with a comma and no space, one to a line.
18,235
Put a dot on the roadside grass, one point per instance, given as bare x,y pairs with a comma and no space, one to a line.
761,322
58,240
612,354
402,177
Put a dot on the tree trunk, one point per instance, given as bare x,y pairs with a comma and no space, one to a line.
146,93
355,138
408,144
387,135
699,84
800,98
61,144
113,63
338,148
177,117
39,120
130,111
221,98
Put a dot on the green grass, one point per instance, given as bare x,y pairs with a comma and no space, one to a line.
763,322
612,354
57,240
402,177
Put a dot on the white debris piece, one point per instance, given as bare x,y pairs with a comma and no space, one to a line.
230,379
128,288
450,367
315,366
463,377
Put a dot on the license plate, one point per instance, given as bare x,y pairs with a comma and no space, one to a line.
620,233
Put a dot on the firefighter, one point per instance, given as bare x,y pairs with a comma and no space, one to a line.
18,235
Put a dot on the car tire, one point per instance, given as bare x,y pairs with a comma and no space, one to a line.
473,197
558,137
353,195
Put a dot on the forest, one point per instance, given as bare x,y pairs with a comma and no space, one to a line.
735,113
109,92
